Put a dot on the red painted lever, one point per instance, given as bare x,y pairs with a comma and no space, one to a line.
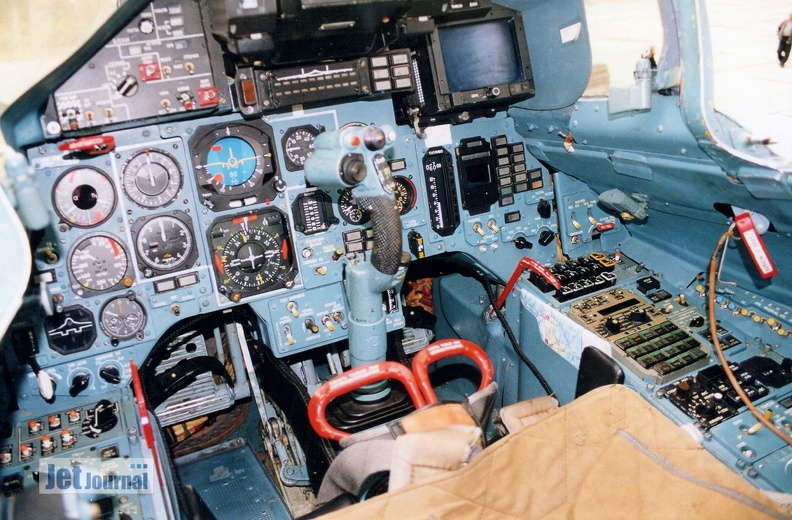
447,348
533,265
352,380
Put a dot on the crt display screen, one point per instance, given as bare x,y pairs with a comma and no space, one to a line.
480,55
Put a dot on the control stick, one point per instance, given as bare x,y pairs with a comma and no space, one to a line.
354,157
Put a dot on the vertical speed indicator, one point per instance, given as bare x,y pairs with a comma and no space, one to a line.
252,253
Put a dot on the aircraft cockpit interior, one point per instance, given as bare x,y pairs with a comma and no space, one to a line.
282,259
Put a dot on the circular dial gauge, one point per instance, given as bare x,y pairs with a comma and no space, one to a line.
151,178
84,197
98,263
164,243
253,258
122,318
349,209
252,253
405,194
298,145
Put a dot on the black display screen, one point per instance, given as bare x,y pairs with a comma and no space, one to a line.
480,55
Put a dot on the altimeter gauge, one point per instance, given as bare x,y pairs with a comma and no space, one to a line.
151,178
164,243
84,197
252,253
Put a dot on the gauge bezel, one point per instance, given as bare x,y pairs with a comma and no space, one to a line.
150,268
138,332
59,211
296,162
224,230
137,196
77,285
261,186
77,326
345,198
412,193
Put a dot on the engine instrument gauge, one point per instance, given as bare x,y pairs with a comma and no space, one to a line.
234,165
99,263
164,243
84,197
298,145
405,194
151,178
122,317
349,209
252,253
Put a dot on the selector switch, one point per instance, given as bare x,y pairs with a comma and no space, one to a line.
79,382
639,316
110,374
612,325
544,209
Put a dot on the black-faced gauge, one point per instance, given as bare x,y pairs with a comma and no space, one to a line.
164,242
252,253
298,145
99,263
405,194
72,330
84,197
234,165
349,209
151,178
122,317
313,212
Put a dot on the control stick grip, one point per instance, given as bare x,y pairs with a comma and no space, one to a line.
386,225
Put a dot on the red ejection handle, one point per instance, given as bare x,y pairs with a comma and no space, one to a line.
352,380
447,348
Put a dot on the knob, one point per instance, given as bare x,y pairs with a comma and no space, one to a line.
79,382
544,209
522,243
104,418
682,391
546,236
638,316
698,321
612,325
110,374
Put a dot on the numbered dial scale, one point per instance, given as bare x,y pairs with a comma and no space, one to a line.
298,145
123,318
151,178
164,243
234,165
84,197
252,253
99,263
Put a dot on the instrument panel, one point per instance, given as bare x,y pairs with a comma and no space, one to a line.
191,217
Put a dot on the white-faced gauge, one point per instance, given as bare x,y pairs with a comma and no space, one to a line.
164,242
122,318
99,263
84,197
151,178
